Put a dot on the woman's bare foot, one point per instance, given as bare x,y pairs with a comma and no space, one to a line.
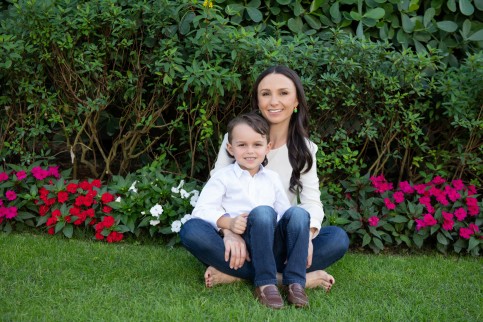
214,277
315,279
319,279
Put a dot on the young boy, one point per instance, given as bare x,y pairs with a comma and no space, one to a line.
245,188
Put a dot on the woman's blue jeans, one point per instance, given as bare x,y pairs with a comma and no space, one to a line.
287,240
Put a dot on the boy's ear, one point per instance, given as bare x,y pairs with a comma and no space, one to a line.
229,149
269,146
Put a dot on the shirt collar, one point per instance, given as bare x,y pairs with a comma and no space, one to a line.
239,171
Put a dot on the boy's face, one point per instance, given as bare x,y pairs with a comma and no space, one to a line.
248,147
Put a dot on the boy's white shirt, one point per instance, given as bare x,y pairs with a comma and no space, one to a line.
232,190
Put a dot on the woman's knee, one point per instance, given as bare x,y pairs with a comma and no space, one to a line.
192,232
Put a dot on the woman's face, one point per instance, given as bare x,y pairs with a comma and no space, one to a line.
277,98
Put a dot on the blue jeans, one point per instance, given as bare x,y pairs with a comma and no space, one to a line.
203,241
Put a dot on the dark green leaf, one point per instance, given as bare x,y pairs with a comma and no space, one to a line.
376,13
466,7
477,36
473,242
255,14
68,231
184,24
295,24
313,22
378,243
448,26
366,239
428,16
441,239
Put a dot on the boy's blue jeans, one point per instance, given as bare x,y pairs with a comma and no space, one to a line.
273,247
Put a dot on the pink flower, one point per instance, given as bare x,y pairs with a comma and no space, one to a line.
406,187
11,212
474,228
441,198
389,204
420,189
448,222
21,175
53,171
39,173
3,176
471,190
438,180
11,195
466,232
458,184
460,214
473,208
380,184
398,196
452,193
373,221
420,224
429,220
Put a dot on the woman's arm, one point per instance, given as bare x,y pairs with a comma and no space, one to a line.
310,195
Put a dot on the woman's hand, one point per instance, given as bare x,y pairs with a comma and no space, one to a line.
235,249
311,247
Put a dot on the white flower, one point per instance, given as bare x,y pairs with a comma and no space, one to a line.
176,226
118,199
184,194
143,212
154,222
133,187
186,218
156,210
176,190
194,198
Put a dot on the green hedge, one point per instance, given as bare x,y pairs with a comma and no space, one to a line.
106,87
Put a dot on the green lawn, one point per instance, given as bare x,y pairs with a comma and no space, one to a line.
53,279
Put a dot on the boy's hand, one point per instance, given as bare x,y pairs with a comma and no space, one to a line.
239,224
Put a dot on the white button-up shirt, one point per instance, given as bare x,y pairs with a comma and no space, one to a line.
233,191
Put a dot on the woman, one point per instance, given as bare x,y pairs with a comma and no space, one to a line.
279,96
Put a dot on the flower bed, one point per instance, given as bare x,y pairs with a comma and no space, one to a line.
446,215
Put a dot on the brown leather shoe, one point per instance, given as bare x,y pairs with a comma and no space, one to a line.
269,296
296,295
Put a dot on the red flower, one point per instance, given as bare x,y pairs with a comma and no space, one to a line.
43,209
71,187
62,196
458,184
84,185
438,180
96,183
373,221
108,221
90,213
51,230
114,236
106,209
107,197
99,236
448,222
